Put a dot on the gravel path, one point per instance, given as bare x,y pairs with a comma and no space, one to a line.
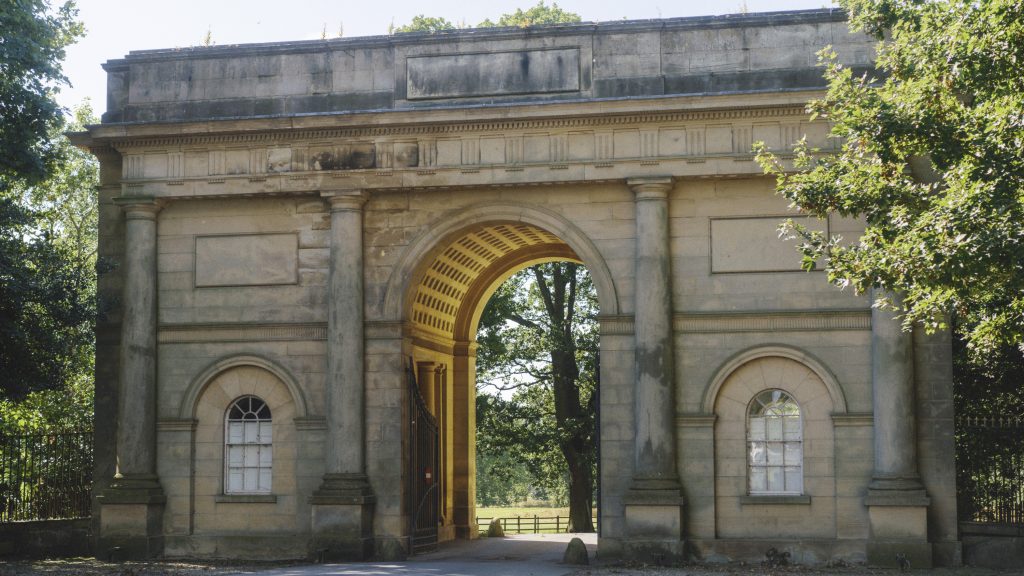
93,567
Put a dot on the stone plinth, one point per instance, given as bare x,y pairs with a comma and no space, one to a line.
131,519
654,523
342,519
899,530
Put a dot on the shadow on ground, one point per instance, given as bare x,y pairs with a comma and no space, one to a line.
520,555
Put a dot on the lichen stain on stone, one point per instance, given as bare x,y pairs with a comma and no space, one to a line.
406,155
345,158
323,161
362,156
524,64
653,362
651,458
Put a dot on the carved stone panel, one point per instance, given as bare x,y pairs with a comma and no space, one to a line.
247,260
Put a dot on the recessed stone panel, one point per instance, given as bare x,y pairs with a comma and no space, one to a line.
247,260
494,73
718,139
753,244
449,152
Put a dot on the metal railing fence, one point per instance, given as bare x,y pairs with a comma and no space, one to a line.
46,476
990,470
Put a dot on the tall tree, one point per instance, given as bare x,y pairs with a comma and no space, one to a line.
32,42
421,23
932,158
48,266
533,16
538,340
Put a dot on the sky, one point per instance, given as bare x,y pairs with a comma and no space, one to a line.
116,27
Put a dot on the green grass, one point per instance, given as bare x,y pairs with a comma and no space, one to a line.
523,511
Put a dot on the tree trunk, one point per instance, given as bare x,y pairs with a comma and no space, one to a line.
571,418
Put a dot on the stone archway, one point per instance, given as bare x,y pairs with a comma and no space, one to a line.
443,304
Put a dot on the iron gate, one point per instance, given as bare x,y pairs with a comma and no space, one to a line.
423,466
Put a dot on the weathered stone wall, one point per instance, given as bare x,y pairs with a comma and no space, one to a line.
719,54
47,539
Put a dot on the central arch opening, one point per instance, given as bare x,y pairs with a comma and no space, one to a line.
450,291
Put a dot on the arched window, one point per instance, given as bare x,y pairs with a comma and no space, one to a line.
248,453
775,455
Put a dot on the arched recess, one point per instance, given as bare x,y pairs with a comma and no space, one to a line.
438,291
835,391
200,382
421,253
804,500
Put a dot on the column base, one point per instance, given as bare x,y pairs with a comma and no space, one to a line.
466,527
131,519
654,522
342,519
898,518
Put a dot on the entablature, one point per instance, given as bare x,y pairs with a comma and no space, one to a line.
516,150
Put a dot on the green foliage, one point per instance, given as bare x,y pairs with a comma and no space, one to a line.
537,371
932,158
32,42
67,408
994,387
534,16
502,478
423,23
48,234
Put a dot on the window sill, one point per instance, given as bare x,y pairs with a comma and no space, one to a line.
776,499
246,498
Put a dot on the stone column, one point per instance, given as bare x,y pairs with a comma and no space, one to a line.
131,509
342,510
654,503
425,376
896,500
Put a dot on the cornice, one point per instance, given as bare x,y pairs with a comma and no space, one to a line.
773,321
256,132
621,325
695,420
176,424
853,419
198,333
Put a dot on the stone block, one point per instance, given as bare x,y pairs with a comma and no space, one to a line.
130,530
898,522
342,531
654,521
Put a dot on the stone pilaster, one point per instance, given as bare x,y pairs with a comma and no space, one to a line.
654,506
896,500
132,507
463,441
342,508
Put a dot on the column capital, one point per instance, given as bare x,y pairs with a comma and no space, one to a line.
651,187
141,207
345,200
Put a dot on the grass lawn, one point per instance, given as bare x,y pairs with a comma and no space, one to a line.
523,511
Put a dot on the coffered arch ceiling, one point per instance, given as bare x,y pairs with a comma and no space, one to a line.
448,300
